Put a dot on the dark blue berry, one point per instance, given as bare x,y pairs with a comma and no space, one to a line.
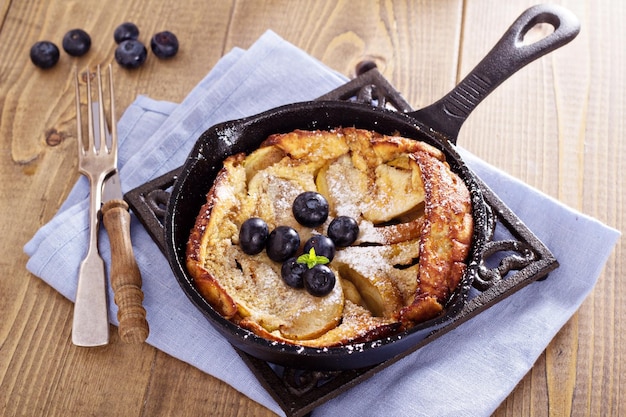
44,54
292,272
343,230
310,209
319,280
131,54
253,235
282,243
164,44
323,246
126,31
76,42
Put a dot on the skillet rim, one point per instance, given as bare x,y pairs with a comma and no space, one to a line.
224,139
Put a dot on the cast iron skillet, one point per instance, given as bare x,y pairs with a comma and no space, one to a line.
437,124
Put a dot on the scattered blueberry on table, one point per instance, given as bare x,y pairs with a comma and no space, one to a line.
126,31
44,54
76,42
164,44
131,54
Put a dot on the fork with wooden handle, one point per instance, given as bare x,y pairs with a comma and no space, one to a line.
125,275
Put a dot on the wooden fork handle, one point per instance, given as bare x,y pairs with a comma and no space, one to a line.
125,275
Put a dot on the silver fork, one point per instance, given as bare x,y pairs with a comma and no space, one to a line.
90,325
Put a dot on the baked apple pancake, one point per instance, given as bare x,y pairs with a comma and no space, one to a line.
324,238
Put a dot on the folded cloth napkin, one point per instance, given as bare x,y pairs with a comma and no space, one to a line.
467,372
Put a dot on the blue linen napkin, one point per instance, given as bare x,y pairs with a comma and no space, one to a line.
467,372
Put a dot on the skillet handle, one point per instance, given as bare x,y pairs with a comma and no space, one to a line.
448,114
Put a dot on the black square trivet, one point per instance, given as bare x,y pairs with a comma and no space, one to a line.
508,264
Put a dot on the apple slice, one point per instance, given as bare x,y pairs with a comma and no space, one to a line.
376,290
398,191
261,159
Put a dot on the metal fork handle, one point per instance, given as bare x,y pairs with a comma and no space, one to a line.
90,326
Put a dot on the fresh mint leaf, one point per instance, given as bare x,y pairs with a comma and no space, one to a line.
311,259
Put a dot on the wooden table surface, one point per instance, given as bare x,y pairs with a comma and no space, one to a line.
559,125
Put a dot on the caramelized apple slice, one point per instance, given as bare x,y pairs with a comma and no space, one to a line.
261,159
345,187
321,183
357,326
313,316
378,293
351,293
398,191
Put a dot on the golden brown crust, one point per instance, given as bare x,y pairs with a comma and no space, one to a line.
195,253
446,238
415,224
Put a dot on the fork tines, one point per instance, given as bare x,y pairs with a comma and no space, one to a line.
101,122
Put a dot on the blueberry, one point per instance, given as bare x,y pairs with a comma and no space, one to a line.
76,42
292,272
310,209
282,243
44,54
126,31
343,230
131,54
319,280
323,246
164,44
253,235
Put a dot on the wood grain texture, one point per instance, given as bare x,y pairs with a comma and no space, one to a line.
559,125
124,276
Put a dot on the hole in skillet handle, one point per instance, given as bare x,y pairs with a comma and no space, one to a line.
537,32
511,53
